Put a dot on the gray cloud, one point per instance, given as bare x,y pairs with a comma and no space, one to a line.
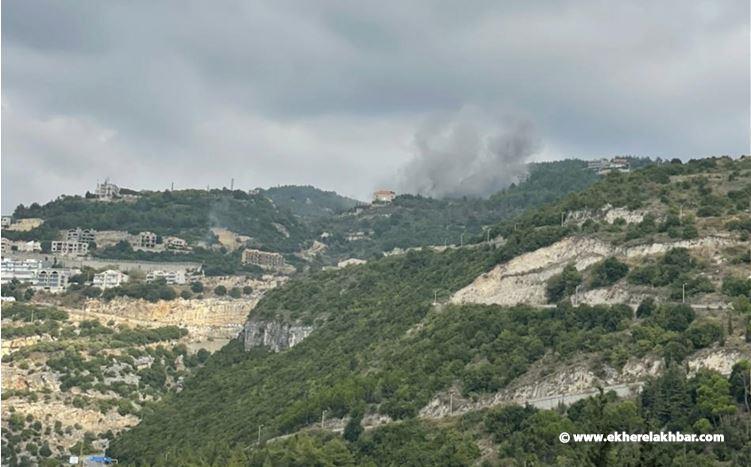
333,93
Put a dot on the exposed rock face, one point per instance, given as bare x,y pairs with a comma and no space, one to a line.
523,279
577,381
275,335
607,213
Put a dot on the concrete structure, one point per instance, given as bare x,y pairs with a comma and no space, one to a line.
175,243
9,246
5,246
384,196
109,278
54,280
171,277
70,248
263,259
6,221
28,247
147,240
106,191
81,235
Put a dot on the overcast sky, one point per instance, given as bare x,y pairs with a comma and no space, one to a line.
334,94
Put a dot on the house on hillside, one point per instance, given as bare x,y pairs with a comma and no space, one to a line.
383,196
109,279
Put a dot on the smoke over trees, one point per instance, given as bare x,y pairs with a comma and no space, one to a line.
462,156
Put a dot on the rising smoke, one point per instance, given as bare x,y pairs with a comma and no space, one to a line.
461,155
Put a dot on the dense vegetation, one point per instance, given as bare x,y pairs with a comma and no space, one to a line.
308,202
411,221
186,213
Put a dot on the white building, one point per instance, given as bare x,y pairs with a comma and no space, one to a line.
54,280
7,221
34,272
107,190
70,248
5,246
81,235
147,240
23,270
171,277
175,243
109,279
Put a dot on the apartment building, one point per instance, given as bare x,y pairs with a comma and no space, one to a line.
147,240
81,235
263,259
70,248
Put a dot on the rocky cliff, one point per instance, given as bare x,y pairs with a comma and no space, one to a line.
275,335
523,279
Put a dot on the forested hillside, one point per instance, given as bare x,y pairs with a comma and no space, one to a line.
185,213
411,221
308,202
382,348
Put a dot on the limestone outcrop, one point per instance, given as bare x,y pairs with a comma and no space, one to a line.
275,335
523,279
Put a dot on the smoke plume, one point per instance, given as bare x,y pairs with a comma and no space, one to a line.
462,155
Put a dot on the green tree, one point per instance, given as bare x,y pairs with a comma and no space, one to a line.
563,284
608,272
220,290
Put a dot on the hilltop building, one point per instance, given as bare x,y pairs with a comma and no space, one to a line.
263,259
70,248
109,279
605,166
6,221
106,191
384,196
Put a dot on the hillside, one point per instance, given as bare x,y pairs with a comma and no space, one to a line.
186,213
413,221
407,378
308,202
289,219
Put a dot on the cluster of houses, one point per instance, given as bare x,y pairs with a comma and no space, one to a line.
38,273
46,276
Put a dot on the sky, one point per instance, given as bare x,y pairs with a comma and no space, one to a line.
353,96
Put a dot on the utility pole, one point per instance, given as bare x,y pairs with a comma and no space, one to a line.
451,403
259,434
232,184
461,240
684,293
435,297
487,236
563,216
323,419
